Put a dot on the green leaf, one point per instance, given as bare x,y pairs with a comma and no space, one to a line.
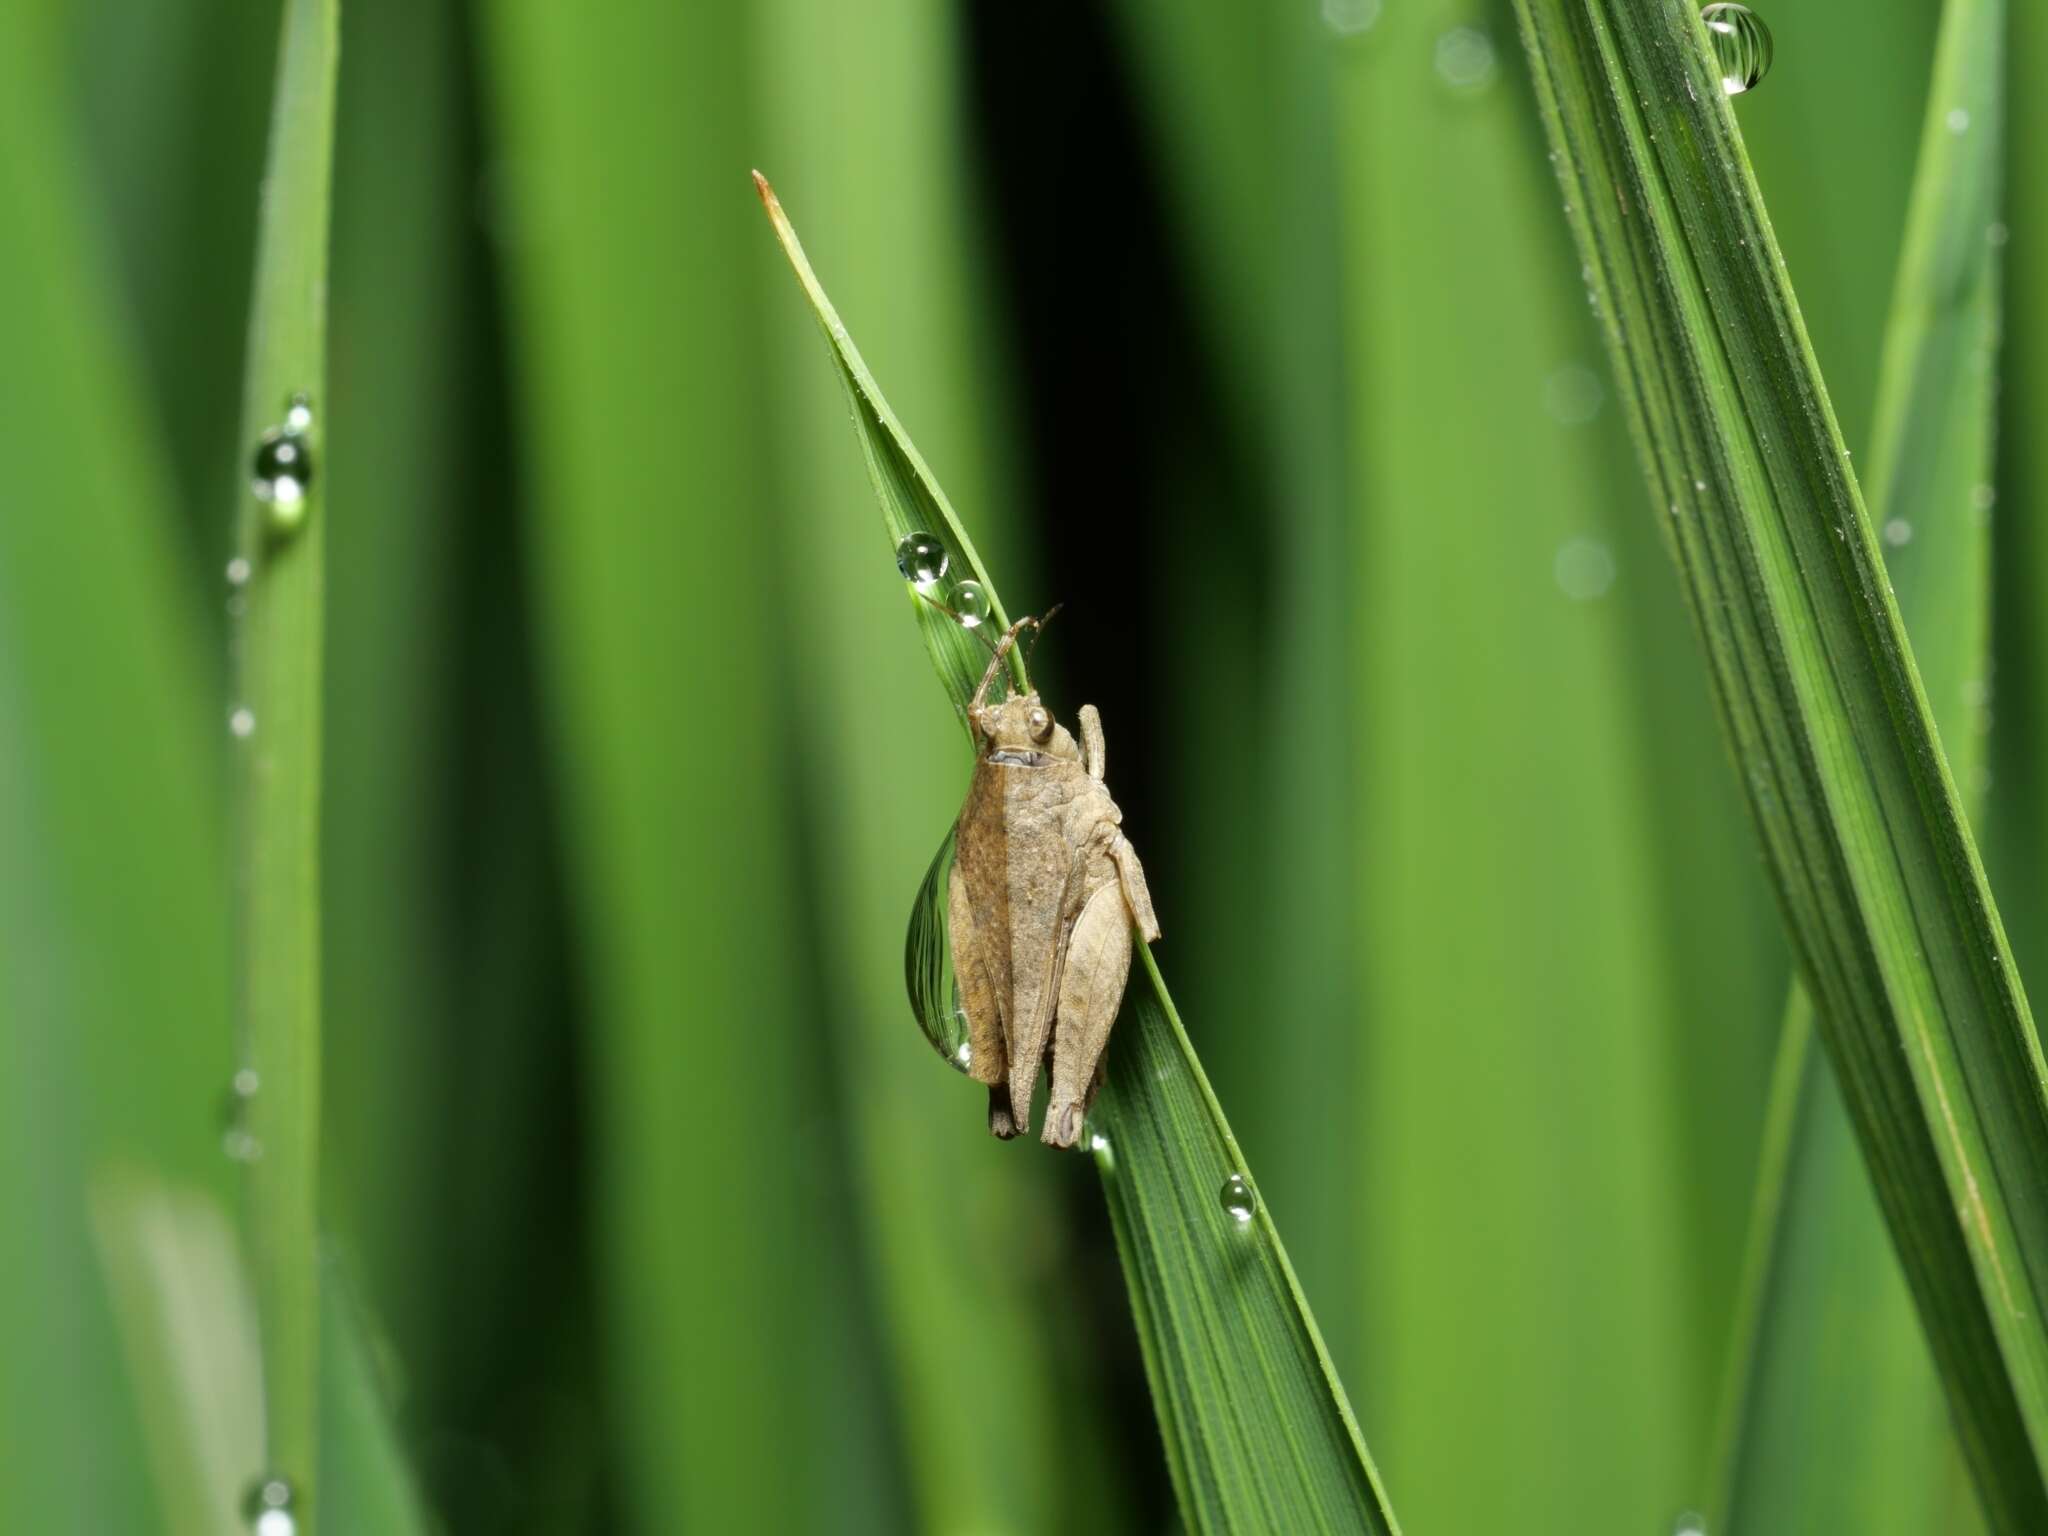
1881,885
1258,1433
277,775
1833,1419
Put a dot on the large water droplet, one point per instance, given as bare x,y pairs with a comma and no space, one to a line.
928,967
268,1508
1742,46
922,559
969,602
1240,1200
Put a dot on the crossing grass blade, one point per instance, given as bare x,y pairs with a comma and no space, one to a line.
1833,1418
1257,1430
1882,889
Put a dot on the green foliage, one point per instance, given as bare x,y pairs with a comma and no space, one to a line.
1257,1429
1883,892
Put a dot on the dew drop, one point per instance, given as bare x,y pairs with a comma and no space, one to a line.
235,1138
1691,1523
238,572
1742,46
969,602
1350,18
1898,532
1583,569
282,472
1465,60
268,1508
1240,1200
922,559
298,414
242,722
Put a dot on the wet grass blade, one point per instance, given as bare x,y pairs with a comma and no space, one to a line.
277,726
1882,889
1258,1433
1833,1418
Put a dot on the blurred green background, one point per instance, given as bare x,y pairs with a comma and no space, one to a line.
1251,334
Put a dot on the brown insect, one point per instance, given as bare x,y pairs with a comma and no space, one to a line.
1041,900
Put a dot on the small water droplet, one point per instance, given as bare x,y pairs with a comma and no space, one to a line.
282,472
922,559
1897,532
1573,394
1742,46
1583,569
242,722
969,602
238,572
298,414
268,1508
1958,120
1465,60
1691,1523
235,1138
1240,1200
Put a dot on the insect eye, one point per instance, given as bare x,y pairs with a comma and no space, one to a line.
1040,723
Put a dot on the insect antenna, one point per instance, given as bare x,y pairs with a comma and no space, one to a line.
995,661
1038,630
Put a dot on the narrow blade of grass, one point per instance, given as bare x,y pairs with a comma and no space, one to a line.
1833,1419
1257,1430
1882,889
861,108
277,725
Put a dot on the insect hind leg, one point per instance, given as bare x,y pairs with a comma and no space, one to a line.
1092,988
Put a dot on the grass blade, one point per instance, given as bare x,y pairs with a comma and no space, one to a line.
1833,1418
277,725
1880,882
1258,1433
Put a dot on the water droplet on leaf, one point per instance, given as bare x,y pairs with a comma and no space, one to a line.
268,1508
1898,531
1239,1199
969,602
922,559
298,414
1689,1524
242,723
1742,46
238,572
280,476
